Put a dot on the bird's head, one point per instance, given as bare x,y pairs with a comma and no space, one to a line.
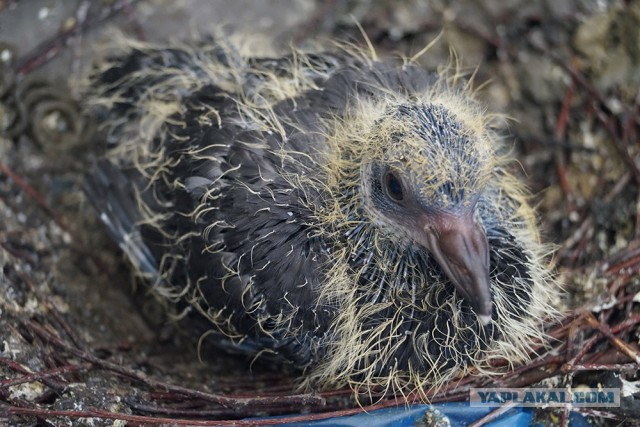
434,262
422,178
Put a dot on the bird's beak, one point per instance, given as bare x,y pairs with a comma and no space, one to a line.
460,246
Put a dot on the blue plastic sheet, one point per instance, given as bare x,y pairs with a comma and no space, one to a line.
459,414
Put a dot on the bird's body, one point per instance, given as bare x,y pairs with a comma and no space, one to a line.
353,216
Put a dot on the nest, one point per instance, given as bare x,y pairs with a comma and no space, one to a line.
70,352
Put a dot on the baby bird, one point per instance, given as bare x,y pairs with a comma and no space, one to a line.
350,215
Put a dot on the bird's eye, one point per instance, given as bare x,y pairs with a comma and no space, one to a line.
393,186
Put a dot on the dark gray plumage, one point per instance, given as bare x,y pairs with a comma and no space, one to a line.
352,216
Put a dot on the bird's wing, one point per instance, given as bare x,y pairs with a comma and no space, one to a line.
112,193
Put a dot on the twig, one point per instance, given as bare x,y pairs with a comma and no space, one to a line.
77,243
38,376
303,399
35,195
49,382
49,49
626,367
491,416
617,342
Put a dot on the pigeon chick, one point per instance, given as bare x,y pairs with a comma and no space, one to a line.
350,215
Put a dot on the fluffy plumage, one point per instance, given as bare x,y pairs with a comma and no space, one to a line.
350,215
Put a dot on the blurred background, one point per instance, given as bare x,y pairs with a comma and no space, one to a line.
565,73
